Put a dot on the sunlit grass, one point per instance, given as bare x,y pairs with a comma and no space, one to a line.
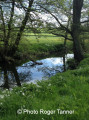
42,44
43,38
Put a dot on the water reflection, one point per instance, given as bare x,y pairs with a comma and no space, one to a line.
9,75
30,71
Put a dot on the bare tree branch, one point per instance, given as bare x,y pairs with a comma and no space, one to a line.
23,23
85,21
60,35
10,23
56,19
2,17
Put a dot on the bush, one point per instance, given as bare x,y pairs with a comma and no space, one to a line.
71,64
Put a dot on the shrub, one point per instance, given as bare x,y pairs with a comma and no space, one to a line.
71,64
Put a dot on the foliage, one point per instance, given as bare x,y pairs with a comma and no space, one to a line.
39,46
71,64
15,16
69,21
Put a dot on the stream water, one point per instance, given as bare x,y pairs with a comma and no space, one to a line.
30,72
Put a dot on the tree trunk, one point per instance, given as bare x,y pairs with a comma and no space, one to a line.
21,30
23,24
77,7
16,75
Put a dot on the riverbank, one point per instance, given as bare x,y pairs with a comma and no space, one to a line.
68,91
42,46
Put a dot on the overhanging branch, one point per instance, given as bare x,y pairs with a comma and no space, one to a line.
56,19
60,35
85,21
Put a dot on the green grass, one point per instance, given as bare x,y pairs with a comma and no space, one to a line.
41,45
44,44
65,91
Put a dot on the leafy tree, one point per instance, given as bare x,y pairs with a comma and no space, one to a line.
69,16
12,24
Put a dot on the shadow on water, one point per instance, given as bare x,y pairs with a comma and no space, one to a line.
6,70
11,76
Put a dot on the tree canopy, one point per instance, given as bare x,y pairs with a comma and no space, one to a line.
70,17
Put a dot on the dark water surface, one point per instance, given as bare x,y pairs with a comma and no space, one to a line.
30,71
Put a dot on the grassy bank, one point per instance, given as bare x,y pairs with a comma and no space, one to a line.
68,91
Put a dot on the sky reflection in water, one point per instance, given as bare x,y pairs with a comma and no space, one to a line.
30,73
50,67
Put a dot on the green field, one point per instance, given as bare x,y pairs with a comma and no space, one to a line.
42,45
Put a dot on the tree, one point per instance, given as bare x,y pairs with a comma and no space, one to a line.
77,7
10,32
66,12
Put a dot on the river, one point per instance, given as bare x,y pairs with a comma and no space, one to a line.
30,72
